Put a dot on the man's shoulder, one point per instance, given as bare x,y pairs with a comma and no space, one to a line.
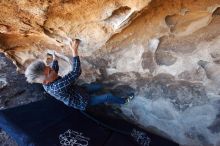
56,84
48,86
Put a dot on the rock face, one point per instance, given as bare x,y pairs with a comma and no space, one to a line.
166,51
14,91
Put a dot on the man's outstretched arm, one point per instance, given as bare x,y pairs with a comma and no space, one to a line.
76,68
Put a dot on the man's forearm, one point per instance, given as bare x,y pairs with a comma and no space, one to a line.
75,52
54,56
75,46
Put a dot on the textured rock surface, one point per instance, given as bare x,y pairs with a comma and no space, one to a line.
15,93
152,48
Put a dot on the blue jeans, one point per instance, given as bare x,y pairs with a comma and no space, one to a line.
100,99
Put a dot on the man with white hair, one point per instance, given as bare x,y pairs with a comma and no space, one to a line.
64,89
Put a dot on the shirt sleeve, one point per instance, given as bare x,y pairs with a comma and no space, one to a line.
71,76
55,66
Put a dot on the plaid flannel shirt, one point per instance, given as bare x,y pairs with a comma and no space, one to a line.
64,89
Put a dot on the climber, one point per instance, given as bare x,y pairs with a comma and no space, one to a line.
64,89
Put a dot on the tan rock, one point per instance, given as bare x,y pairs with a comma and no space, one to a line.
130,42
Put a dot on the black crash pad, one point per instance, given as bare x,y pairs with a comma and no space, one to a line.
51,123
